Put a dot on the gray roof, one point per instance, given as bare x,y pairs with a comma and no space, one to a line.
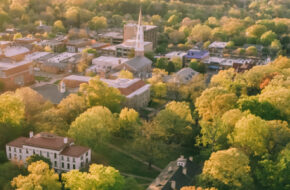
139,62
51,92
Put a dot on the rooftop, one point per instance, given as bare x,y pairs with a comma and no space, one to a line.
5,65
36,55
74,151
14,50
112,35
197,54
131,43
139,62
145,27
175,54
218,45
51,92
109,60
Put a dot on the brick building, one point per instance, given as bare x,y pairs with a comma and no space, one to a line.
150,33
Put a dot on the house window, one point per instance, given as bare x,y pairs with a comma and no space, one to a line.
33,151
74,160
87,160
47,154
61,157
55,164
20,157
68,166
14,149
62,165
9,155
40,153
82,158
54,155
26,151
87,153
74,166
67,159
20,151
9,148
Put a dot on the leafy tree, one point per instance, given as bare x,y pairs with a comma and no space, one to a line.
198,66
252,134
264,109
228,169
35,158
162,63
252,51
126,74
99,177
214,102
256,31
71,107
8,171
40,177
34,103
11,108
98,23
196,188
268,37
58,26
175,122
129,122
94,125
17,35
98,93
84,62
159,90
200,33
148,142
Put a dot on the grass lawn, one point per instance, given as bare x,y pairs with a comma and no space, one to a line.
125,164
172,152
41,78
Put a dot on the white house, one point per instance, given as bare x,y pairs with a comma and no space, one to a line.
61,151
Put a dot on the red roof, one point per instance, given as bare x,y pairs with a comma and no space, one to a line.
19,142
132,88
74,151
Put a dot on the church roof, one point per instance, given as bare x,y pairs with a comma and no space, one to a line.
138,62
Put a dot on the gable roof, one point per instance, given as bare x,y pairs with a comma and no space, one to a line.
138,62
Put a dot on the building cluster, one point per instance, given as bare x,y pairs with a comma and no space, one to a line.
63,154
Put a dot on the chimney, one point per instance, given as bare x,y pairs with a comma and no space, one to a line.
184,171
65,140
191,158
30,134
181,156
173,185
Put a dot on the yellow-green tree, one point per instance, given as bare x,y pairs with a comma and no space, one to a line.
97,92
94,125
228,169
40,177
125,74
99,177
129,122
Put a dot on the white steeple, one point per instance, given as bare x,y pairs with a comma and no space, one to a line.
139,49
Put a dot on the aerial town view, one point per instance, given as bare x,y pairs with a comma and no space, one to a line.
144,94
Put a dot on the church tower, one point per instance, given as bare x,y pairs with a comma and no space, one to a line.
139,49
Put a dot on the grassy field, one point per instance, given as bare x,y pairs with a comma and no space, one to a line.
125,164
42,79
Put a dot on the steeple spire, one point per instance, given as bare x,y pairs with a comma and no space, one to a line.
139,49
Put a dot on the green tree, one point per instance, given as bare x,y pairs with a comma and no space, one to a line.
98,93
71,107
98,23
268,37
252,134
35,158
129,121
99,177
12,109
228,169
17,35
58,26
94,125
40,177
252,51
8,171
214,102
263,109
198,66
200,33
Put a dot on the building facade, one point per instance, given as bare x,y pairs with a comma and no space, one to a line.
61,151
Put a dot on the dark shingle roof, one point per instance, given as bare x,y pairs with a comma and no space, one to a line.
74,151
139,62
51,92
